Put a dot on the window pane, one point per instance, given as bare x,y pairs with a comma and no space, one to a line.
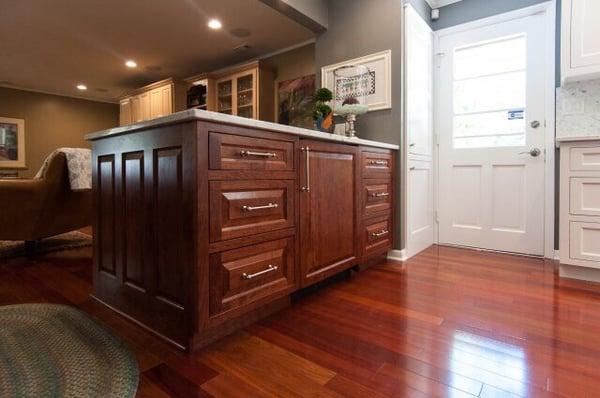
505,91
489,129
484,59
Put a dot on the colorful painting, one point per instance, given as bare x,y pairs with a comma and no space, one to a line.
296,102
12,143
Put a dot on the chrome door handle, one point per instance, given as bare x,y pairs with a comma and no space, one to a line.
252,208
380,234
253,153
378,162
380,194
270,268
535,152
306,188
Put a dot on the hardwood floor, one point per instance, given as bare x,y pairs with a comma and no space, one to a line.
449,322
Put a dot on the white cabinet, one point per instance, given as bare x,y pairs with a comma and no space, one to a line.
124,112
420,227
580,204
580,40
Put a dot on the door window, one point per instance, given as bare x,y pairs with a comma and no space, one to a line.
489,103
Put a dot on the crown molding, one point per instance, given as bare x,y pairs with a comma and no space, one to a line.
440,3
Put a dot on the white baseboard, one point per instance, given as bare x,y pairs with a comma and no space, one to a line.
557,255
397,255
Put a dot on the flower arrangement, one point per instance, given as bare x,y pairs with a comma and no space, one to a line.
322,112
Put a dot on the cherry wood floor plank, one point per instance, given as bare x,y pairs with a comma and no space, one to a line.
449,322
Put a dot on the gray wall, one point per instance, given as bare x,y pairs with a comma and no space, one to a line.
422,9
317,10
357,28
471,10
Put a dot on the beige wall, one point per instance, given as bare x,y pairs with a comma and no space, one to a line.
52,121
289,65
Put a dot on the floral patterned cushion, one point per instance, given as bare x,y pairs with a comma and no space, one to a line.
79,164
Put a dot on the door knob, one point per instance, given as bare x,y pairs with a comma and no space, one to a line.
535,124
535,152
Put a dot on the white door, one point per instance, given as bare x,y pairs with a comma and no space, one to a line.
492,131
419,133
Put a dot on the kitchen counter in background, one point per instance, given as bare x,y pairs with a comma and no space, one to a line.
578,111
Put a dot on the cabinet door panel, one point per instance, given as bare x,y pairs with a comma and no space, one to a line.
585,30
125,112
329,205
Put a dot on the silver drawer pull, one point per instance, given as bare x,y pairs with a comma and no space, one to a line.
253,153
252,208
270,268
378,162
380,233
380,194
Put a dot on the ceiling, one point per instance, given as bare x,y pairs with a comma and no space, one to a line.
52,46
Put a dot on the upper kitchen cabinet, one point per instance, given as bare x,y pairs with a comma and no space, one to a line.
247,91
580,40
154,100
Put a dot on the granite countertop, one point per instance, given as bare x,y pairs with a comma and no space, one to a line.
573,138
196,114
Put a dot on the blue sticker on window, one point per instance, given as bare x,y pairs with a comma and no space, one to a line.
516,114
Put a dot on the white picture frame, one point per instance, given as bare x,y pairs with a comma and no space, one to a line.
381,64
12,154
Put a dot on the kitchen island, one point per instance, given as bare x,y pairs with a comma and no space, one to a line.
206,222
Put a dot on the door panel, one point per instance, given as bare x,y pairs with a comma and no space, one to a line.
585,31
420,207
491,116
329,205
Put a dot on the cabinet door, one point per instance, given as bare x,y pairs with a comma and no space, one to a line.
145,106
585,33
136,109
329,209
167,100
125,112
225,96
156,103
246,95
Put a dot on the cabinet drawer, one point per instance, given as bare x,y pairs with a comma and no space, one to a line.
585,158
244,278
584,196
377,196
376,164
235,152
584,241
377,236
242,208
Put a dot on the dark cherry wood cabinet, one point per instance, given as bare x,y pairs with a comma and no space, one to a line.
202,227
329,209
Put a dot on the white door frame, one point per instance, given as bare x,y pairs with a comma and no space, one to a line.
549,10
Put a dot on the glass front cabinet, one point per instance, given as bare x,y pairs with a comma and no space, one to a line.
247,93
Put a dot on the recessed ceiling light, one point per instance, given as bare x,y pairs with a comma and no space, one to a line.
131,64
81,87
215,24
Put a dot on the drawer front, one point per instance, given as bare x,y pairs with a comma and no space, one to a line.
584,241
377,236
235,152
242,208
250,275
585,158
377,196
376,164
584,196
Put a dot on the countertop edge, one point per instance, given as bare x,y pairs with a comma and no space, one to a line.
577,138
195,114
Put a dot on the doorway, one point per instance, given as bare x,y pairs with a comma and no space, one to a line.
491,126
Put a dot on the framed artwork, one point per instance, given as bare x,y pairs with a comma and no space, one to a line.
295,99
12,143
379,85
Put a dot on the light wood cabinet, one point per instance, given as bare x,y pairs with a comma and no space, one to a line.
245,91
580,40
155,100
